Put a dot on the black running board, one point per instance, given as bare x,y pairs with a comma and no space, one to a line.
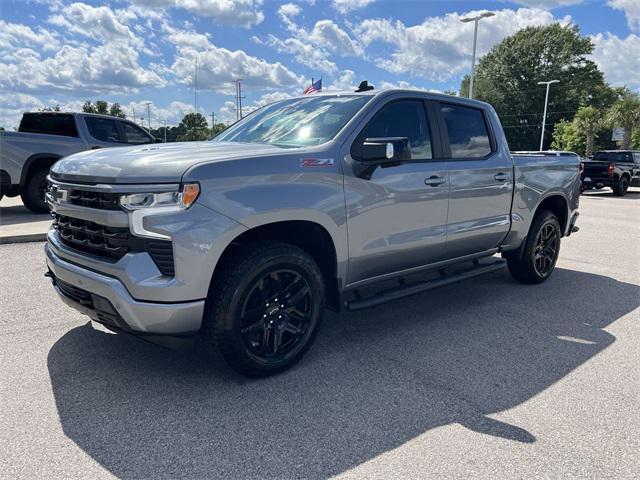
411,289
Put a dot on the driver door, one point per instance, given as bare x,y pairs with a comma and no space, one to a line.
397,214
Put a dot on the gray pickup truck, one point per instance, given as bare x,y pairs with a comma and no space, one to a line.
339,200
45,137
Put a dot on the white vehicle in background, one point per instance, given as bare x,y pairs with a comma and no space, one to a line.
45,137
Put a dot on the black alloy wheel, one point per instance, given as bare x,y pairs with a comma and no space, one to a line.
545,250
276,315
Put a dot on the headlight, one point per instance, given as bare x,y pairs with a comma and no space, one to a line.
141,205
181,200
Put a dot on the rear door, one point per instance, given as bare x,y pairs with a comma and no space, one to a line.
103,132
480,180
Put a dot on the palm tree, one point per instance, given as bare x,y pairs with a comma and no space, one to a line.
625,113
587,122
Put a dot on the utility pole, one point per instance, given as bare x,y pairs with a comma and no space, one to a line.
475,41
239,98
544,115
165,130
148,104
134,114
213,122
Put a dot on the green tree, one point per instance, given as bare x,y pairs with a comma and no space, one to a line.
566,137
587,123
116,111
625,113
507,78
102,108
195,127
635,139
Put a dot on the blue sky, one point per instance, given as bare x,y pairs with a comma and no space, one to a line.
60,52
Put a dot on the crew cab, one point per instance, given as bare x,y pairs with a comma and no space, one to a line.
339,200
616,169
45,137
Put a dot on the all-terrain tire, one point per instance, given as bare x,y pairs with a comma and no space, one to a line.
260,271
33,192
531,267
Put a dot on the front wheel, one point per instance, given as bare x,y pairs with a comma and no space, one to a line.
264,308
541,250
33,193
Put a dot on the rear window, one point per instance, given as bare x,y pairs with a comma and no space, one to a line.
62,124
467,130
614,156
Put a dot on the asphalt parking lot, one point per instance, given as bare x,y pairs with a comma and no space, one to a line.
487,378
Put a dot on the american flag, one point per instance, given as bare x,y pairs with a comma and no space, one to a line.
314,87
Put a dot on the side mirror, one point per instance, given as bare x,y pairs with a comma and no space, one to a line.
158,140
385,150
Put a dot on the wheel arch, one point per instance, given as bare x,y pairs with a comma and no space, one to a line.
310,236
556,204
37,162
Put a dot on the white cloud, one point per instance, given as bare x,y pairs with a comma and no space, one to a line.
107,68
219,67
440,48
345,6
345,81
631,9
243,13
547,3
303,52
12,106
15,35
289,9
618,58
99,23
313,48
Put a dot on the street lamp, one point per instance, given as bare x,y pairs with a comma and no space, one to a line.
148,104
475,19
544,115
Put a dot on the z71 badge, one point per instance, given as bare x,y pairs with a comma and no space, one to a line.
316,162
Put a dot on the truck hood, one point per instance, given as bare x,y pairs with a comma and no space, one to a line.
157,163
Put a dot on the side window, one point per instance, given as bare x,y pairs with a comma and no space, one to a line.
103,129
467,129
134,135
404,118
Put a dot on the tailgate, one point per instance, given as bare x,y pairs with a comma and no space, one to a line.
594,169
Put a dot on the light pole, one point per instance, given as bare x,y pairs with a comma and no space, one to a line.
148,114
544,115
475,19
165,130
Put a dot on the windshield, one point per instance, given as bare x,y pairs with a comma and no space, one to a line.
296,122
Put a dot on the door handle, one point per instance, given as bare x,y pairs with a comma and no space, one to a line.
501,177
434,181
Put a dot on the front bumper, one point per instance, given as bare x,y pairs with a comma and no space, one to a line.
106,300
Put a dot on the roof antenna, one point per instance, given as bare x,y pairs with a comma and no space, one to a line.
364,87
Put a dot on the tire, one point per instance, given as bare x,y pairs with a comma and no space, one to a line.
33,192
621,188
265,293
544,237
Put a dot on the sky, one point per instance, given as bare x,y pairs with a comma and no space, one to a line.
61,52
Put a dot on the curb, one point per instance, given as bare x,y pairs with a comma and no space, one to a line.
25,238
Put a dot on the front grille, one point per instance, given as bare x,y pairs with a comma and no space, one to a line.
89,237
112,243
100,200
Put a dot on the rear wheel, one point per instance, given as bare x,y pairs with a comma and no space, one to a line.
264,308
541,250
621,188
33,192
